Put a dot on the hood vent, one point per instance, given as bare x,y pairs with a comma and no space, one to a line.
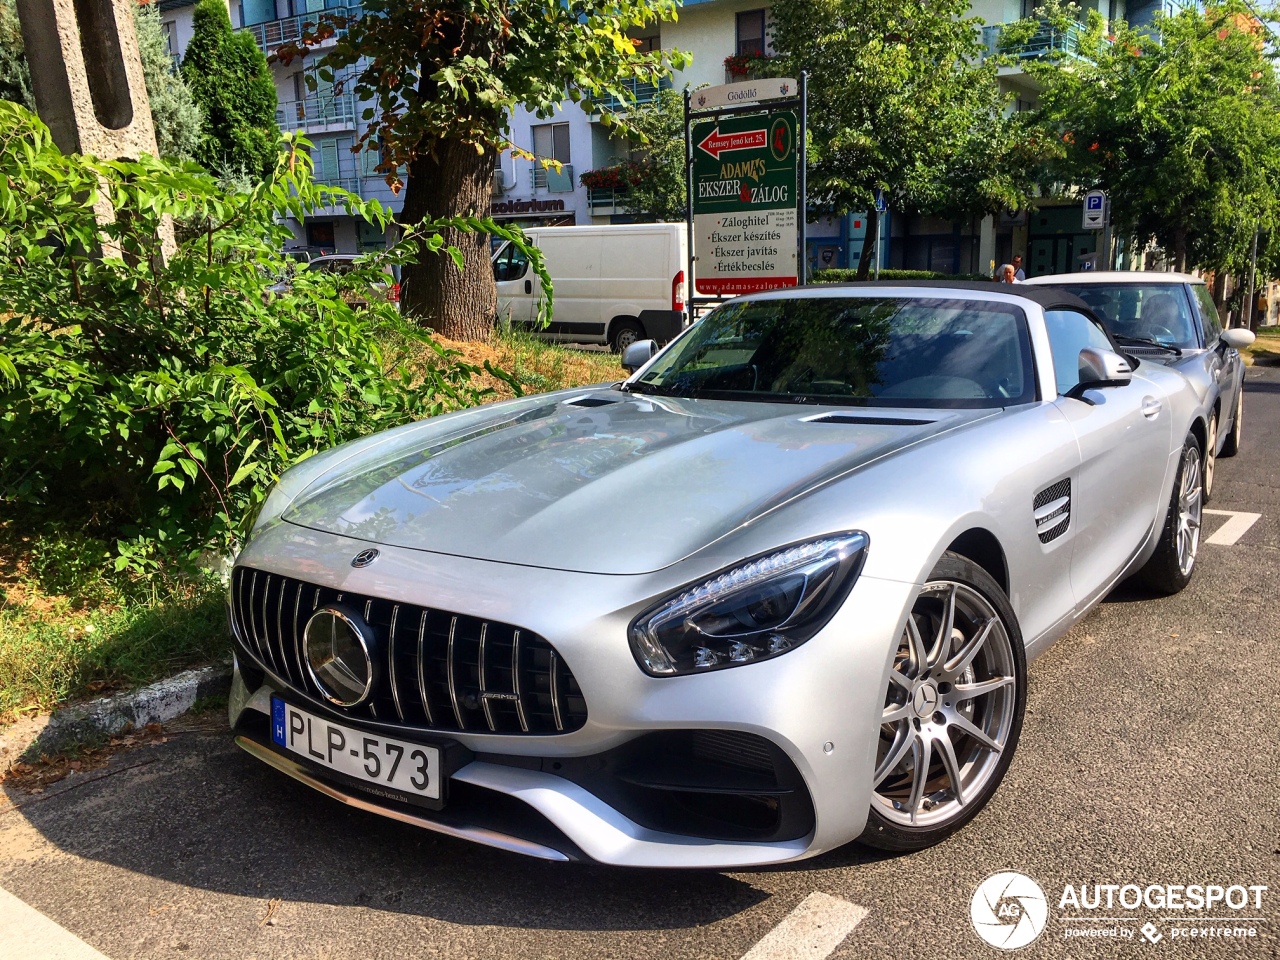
1052,510
869,421
588,402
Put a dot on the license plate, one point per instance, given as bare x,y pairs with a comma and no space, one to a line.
412,768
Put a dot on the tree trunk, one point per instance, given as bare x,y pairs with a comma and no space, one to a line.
869,243
1180,251
458,304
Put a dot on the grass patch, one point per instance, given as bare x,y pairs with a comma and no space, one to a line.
71,632
1266,349
536,365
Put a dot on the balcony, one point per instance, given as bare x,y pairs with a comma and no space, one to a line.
747,66
317,114
271,34
643,92
1048,41
605,201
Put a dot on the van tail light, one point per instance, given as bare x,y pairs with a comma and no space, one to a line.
677,292
395,293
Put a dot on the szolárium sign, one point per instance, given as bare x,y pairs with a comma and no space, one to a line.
746,187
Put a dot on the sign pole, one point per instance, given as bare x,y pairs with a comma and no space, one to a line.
690,289
802,201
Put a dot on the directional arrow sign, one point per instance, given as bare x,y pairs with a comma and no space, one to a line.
716,143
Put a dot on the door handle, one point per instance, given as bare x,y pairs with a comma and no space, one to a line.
1151,407
528,286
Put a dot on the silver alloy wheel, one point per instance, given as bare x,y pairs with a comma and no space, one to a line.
949,709
1211,456
1190,497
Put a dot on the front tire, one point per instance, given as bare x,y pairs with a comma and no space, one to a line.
1171,566
953,709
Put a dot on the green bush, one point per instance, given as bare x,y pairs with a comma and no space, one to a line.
149,402
229,78
848,276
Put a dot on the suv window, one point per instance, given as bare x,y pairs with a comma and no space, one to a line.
1208,313
1069,333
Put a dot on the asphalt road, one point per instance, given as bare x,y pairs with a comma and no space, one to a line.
1149,755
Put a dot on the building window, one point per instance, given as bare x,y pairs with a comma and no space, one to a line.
647,44
169,29
751,32
320,234
550,142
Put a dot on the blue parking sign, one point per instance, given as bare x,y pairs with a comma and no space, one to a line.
1095,201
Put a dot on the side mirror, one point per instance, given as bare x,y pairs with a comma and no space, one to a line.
1100,368
1238,338
638,354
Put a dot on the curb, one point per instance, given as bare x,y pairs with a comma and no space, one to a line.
157,703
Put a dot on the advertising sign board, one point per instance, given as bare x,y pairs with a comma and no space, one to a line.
744,203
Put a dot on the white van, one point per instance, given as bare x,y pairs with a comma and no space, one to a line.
613,284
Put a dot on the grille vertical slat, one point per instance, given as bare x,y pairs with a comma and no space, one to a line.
422,669
555,693
284,657
459,671
484,703
453,686
391,661
515,682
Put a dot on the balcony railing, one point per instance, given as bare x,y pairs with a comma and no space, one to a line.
318,111
644,93
606,200
1048,41
271,34
352,184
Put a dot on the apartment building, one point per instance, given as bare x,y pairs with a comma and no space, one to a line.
723,36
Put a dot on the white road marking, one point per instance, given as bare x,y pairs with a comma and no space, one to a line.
809,932
29,934
1234,528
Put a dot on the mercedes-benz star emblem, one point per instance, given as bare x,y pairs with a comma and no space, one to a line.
365,557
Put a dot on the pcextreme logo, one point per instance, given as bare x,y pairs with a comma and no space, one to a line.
1008,910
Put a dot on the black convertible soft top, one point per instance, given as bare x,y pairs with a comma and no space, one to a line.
1047,297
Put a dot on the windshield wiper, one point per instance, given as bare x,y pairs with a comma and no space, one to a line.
1148,342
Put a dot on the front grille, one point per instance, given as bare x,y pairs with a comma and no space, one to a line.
440,671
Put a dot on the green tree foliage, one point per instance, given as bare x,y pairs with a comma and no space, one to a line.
151,403
230,81
899,99
1179,124
15,78
445,78
174,112
659,192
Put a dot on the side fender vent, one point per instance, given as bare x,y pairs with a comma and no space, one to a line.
1052,510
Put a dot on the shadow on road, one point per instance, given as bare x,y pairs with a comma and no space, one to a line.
198,812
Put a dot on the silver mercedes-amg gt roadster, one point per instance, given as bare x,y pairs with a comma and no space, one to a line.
774,592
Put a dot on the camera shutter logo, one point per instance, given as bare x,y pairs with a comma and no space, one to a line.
1008,910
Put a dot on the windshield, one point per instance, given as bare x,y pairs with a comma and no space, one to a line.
1141,311
877,351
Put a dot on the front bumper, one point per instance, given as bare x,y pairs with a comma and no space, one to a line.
554,796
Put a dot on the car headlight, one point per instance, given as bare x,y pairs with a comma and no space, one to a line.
755,611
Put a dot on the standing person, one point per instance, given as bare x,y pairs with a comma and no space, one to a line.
1018,273
1006,274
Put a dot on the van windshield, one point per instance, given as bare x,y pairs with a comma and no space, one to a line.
877,351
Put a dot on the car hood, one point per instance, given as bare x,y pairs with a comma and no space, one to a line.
601,482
